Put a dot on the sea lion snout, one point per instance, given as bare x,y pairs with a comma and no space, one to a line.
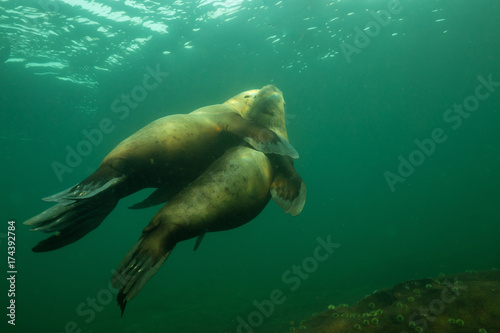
268,110
243,101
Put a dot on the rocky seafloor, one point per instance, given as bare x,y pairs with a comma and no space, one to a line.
466,303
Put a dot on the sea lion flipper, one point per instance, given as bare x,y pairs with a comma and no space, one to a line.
141,263
287,189
83,190
258,136
276,145
198,241
291,201
70,222
161,195
79,210
133,272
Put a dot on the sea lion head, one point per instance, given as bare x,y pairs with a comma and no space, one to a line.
243,101
268,109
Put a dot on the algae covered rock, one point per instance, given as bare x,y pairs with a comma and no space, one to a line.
465,303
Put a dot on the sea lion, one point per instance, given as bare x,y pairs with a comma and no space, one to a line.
168,154
230,193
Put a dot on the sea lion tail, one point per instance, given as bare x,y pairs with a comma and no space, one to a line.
139,265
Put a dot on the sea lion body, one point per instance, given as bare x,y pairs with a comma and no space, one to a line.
167,154
228,194
171,149
181,144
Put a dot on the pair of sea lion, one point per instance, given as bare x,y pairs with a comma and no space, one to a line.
216,167
167,154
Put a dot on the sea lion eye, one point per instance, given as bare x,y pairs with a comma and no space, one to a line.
247,96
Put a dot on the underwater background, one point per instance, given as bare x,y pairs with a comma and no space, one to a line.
392,105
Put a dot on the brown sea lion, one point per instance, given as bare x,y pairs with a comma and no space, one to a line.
168,154
230,193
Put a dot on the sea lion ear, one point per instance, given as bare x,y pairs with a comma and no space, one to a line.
259,137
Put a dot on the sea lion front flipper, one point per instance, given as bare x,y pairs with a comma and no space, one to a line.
288,189
291,201
259,137
161,195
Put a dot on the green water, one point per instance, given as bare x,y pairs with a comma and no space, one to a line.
353,117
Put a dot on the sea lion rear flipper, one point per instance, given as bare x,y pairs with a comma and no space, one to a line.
133,272
288,189
259,137
75,224
79,210
70,222
83,190
140,264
